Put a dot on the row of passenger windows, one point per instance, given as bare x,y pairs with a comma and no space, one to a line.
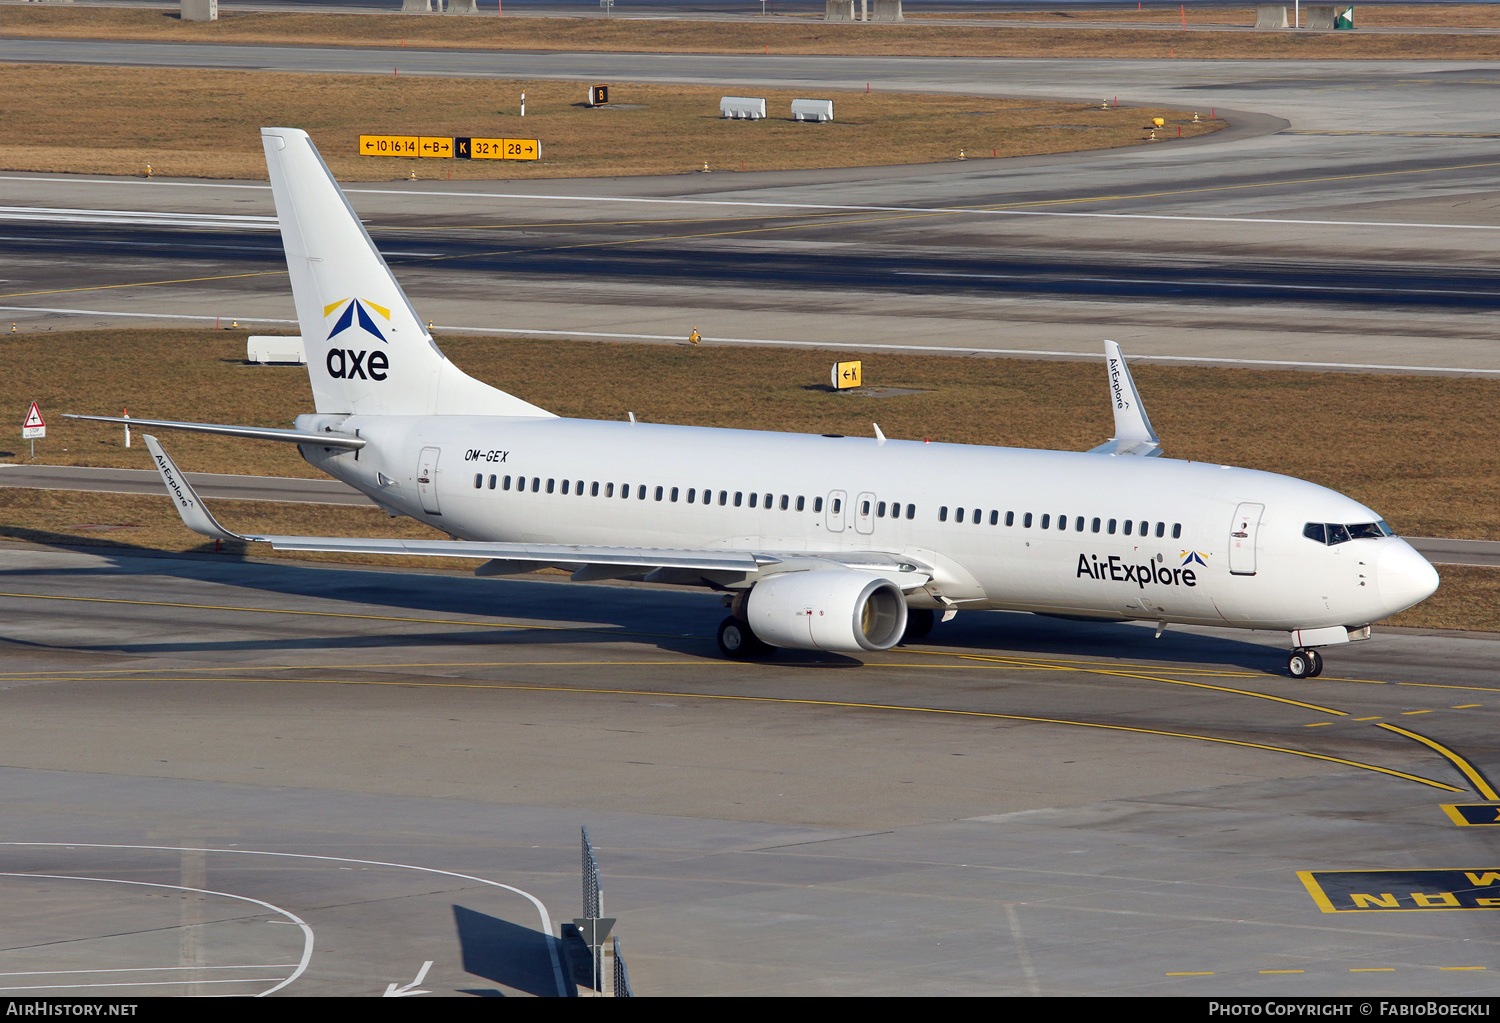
1131,527
1336,532
642,492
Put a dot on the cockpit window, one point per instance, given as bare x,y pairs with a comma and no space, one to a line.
1331,533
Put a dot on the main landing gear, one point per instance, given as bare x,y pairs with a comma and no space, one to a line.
1304,663
738,643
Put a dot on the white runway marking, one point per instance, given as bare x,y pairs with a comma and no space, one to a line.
307,934
546,919
150,218
148,969
747,203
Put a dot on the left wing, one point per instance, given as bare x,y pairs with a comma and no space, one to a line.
1133,432
602,559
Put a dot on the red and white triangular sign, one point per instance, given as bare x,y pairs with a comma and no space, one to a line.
34,416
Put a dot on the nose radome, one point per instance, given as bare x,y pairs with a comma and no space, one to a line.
1403,577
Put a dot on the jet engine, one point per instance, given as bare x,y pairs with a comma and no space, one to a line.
827,609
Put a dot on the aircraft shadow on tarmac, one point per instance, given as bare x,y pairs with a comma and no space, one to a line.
510,955
679,620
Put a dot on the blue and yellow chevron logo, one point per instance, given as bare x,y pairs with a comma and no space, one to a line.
1194,558
357,307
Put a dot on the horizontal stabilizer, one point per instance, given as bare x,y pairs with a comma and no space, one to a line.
1133,432
327,440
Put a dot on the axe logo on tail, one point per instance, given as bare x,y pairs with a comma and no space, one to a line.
351,363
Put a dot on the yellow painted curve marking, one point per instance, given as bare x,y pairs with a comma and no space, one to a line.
848,705
1480,784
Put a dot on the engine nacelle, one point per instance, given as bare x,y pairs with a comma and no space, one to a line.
827,609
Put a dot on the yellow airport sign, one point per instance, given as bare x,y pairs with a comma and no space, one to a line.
497,149
846,375
390,145
435,147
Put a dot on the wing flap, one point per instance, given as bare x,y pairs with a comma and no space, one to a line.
327,440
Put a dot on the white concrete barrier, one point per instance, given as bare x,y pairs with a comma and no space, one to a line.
742,107
1321,17
199,10
838,10
265,348
1271,16
887,10
419,6
463,7
812,110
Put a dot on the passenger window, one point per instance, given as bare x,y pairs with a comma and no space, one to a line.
801,502
1129,525
1046,521
478,480
1316,531
1010,518
536,485
738,496
658,493
640,493
492,482
958,516
838,505
551,486
674,495
1145,528
1094,525
994,518
1111,527
692,495
754,500
723,498
880,510
1078,524
1177,531
506,484
768,501
943,513
625,491
1161,529
785,502
911,511
609,490
1027,520
864,509
977,514
817,504
1062,522
593,489
578,488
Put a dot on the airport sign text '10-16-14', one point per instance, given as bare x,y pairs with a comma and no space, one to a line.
441,147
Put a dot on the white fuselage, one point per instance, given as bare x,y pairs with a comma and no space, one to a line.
1171,563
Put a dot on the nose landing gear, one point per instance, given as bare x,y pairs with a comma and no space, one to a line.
1302,663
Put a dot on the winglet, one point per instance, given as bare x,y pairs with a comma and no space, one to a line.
1133,432
189,504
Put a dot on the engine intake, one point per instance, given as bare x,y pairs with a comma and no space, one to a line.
828,609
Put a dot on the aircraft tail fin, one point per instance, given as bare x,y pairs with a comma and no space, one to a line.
367,351
1133,432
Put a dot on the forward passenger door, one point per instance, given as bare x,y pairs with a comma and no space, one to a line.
1242,536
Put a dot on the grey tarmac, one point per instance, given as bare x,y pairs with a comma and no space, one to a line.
1015,806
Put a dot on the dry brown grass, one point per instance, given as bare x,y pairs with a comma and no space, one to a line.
207,124
1378,16
810,37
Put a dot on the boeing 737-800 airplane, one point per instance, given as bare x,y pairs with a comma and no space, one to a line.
818,542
